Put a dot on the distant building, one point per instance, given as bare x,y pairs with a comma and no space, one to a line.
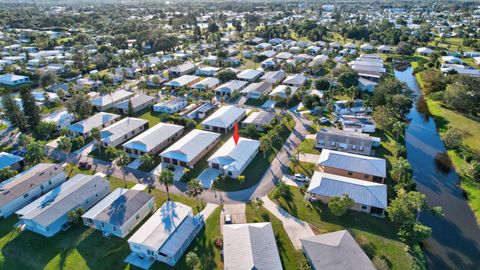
224,119
183,69
170,106
121,131
105,102
138,103
100,120
13,80
153,140
259,120
11,161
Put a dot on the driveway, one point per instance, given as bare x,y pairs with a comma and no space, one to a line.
309,158
236,211
288,179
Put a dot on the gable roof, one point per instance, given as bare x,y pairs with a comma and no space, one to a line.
94,121
295,79
352,162
120,128
342,136
335,250
235,156
262,87
153,137
7,159
190,145
224,117
104,100
136,101
250,246
362,192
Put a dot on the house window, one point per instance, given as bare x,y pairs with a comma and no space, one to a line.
230,173
41,187
365,176
114,228
354,147
150,253
364,207
25,195
322,142
103,224
350,173
49,182
137,217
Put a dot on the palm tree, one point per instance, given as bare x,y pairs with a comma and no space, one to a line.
75,214
25,140
265,142
96,136
398,129
147,159
112,152
35,152
194,189
65,145
186,173
401,170
166,178
122,161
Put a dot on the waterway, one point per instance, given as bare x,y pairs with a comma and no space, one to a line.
455,241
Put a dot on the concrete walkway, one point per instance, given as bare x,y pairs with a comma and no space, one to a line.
208,210
309,158
295,228
236,211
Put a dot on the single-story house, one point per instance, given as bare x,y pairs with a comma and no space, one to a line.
201,111
250,246
341,107
120,212
335,45
190,148
100,120
259,120
366,48
122,130
184,80
358,123
424,51
206,84
368,197
365,168
13,80
268,53
165,236
250,75
61,119
384,49
49,214
206,71
183,69
153,140
281,90
139,102
335,250
367,85
273,77
170,106
230,87
341,140
11,161
451,60
23,188
295,80
269,63
257,90
105,102
232,159
224,119
460,69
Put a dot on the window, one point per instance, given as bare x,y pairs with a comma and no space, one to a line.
350,173
322,142
149,252
49,182
365,176
354,147
25,195
114,228
364,207
137,217
103,224
42,187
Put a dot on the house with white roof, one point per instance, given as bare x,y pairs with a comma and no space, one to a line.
122,130
281,90
230,87
165,236
120,212
23,188
224,119
61,119
205,84
250,75
100,120
259,120
153,140
250,246
366,48
257,90
183,69
184,80
268,54
138,103
384,49
48,214
190,148
170,105
231,159
13,80
368,197
206,71
269,63
108,101
424,51
295,80
273,77
357,107
365,168
358,123
11,161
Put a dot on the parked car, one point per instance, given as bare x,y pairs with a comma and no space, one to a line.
324,120
228,219
300,177
84,165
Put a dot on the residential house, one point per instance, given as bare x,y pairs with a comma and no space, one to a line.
138,103
424,51
295,80
165,236
108,101
257,90
232,158
201,111
170,105
100,120
260,120
184,80
153,140
190,148
13,80
366,48
384,49
273,77
369,197
228,88
61,119
250,246
120,212
224,119
11,161
365,168
358,123
335,250
250,75
281,90
342,107
121,131
341,140
206,84
206,71
49,214
23,188
268,53
183,69
269,63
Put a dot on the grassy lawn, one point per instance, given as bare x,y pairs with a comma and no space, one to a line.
308,147
100,155
304,168
289,256
147,114
376,236
255,102
249,64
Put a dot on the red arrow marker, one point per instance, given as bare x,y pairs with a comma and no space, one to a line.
236,137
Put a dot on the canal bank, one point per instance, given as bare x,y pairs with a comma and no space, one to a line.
455,241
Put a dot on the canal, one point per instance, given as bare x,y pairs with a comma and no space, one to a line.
455,241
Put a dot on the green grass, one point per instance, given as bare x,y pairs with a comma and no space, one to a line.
376,236
308,147
255,102
290,257
100,155
249,64
147,114
304,168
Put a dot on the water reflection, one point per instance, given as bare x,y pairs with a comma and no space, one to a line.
443,163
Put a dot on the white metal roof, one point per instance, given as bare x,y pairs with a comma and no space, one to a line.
232,155
224,117
121,128
153,137
352,162
96,120
191,145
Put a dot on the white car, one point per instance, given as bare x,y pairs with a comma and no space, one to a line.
300,177
228,219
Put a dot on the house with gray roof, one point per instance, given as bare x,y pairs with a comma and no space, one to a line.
361,167
165,236
345,141
358,123
184,80
259,120
249,75
170,105
100,120
108,101
230,87
369,197
122,130
48,214
120,212
335,250
257,90
139,102
183,69
13,80
273,77
153,140
10,160
206,84
224,119
250,246
190,148
25,187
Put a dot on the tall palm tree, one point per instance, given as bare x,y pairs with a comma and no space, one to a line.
147,159
35,152
112,152
398,129
65,145
401,170
194,189
122,161
96,136
265,142
166,178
